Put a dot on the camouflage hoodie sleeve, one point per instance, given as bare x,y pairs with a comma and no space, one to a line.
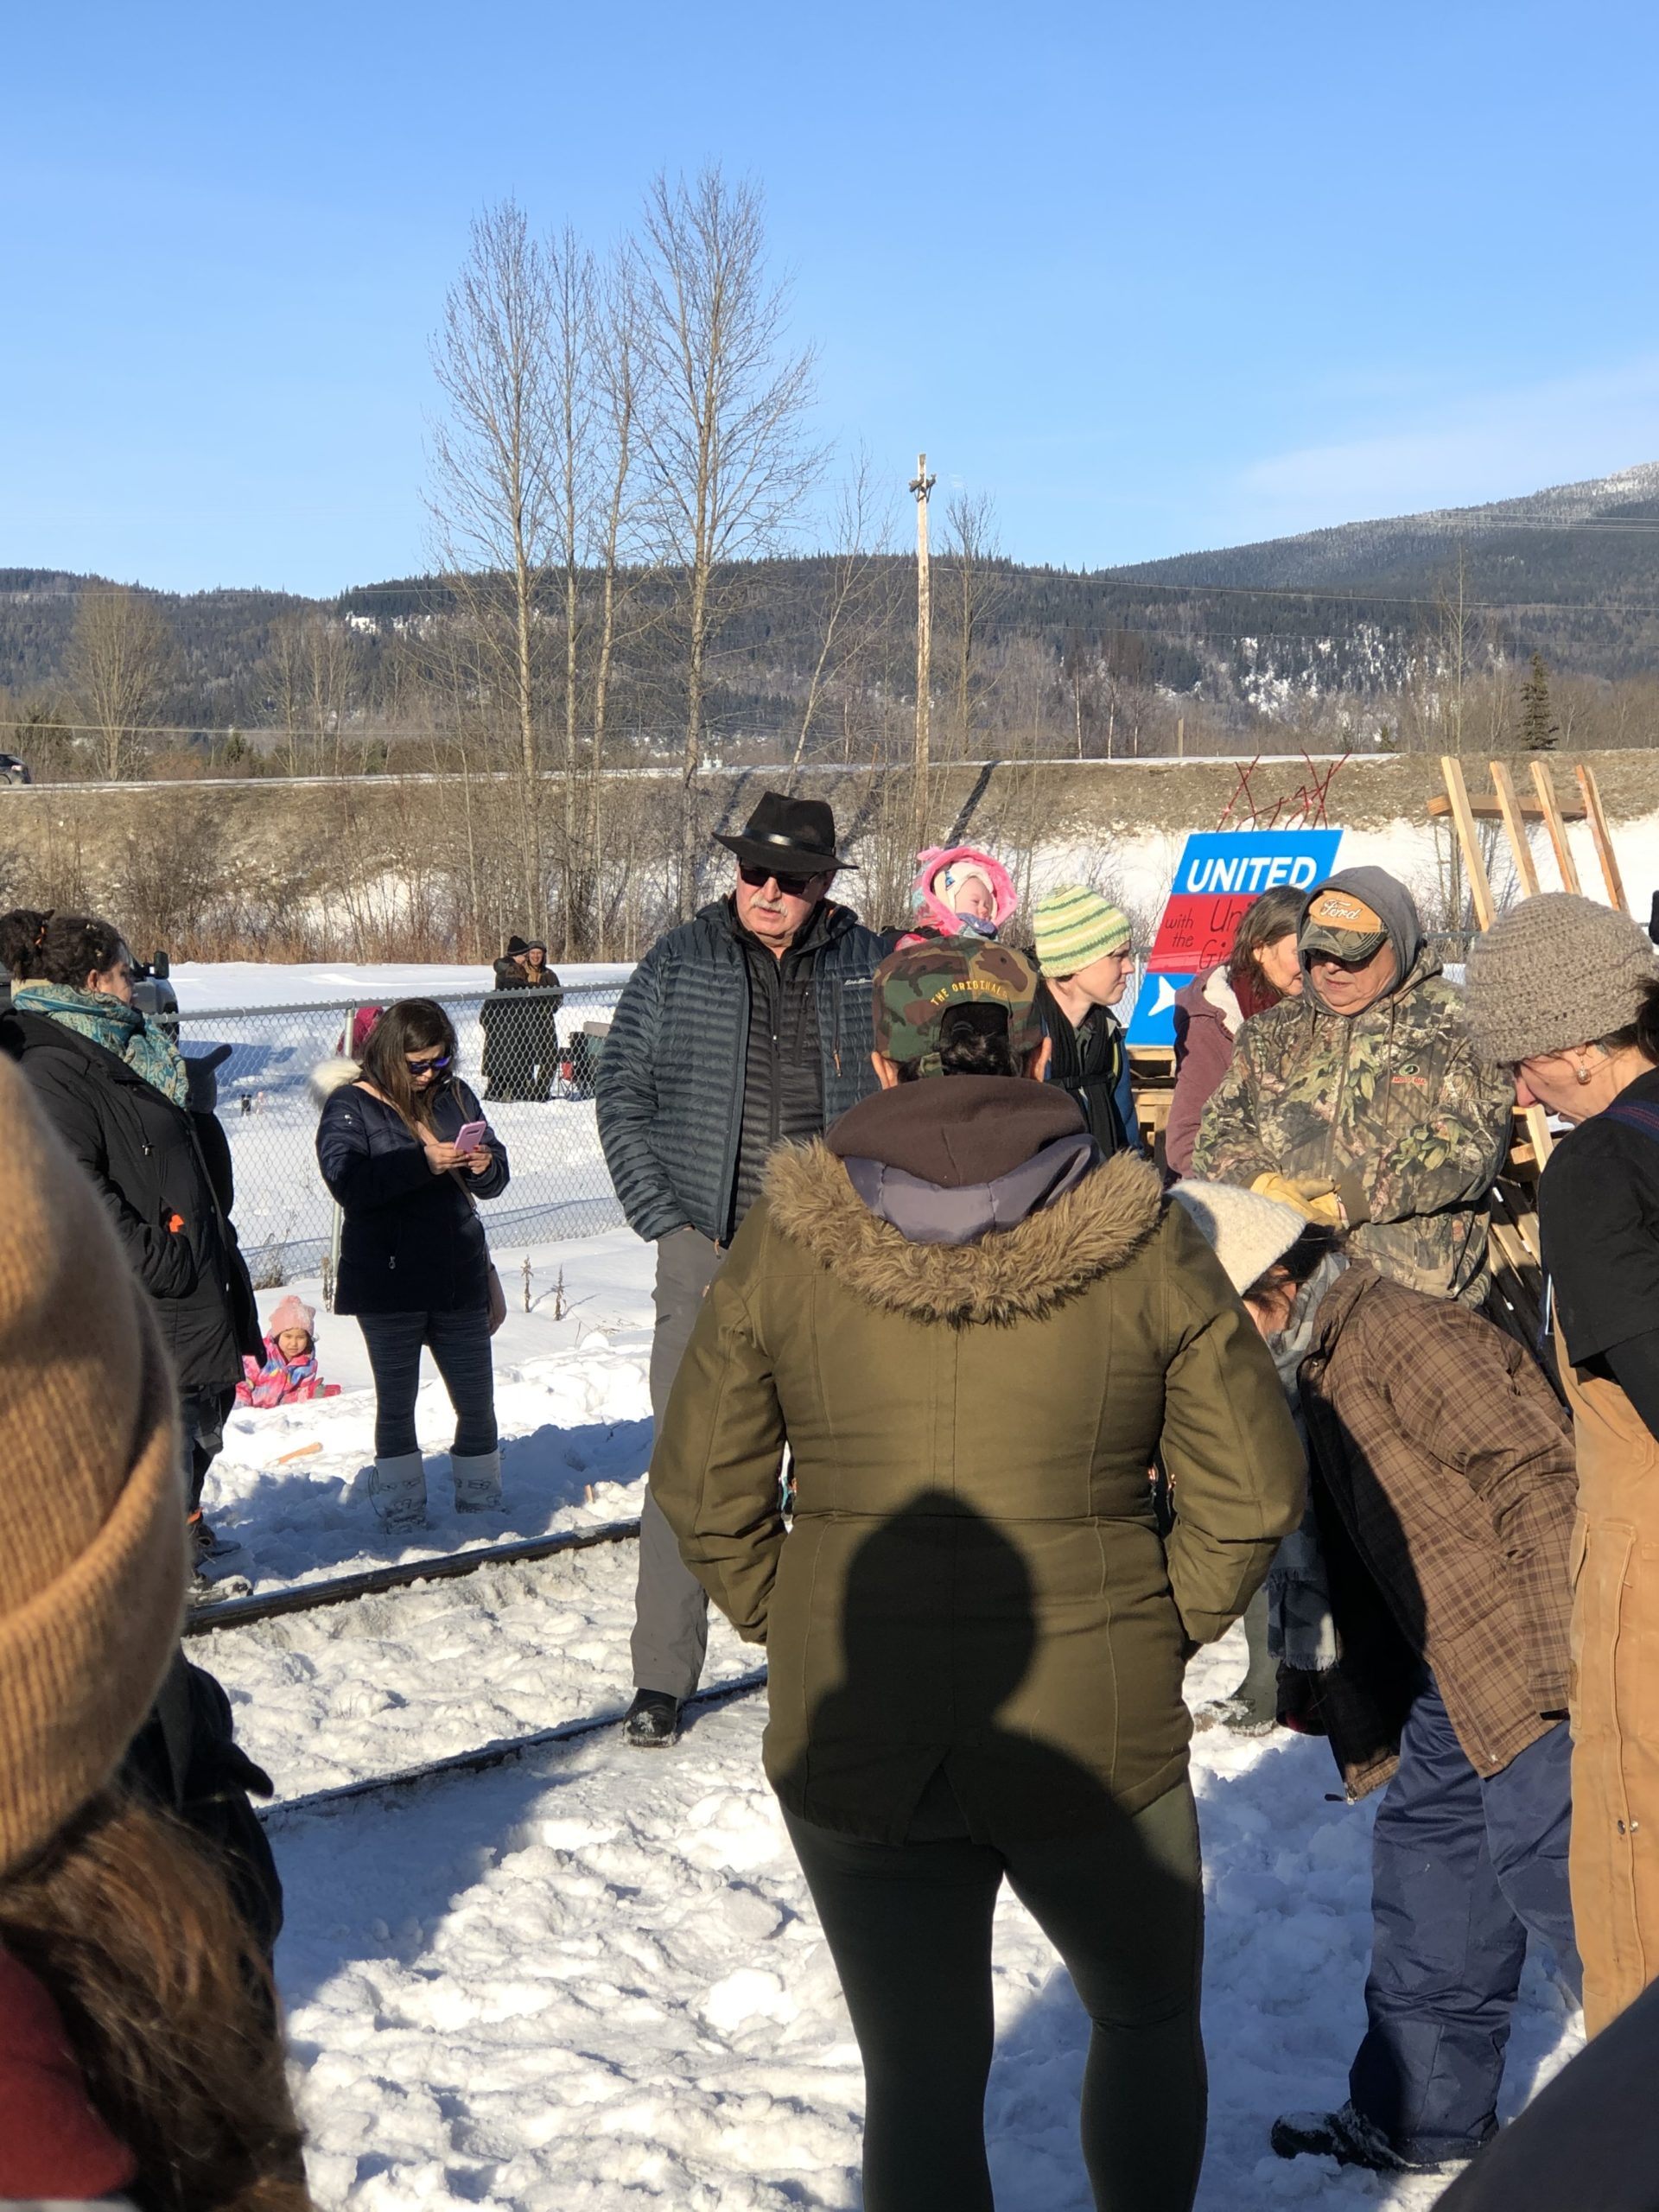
1445,1157
1229,1147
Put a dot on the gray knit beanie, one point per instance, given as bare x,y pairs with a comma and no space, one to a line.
1556,970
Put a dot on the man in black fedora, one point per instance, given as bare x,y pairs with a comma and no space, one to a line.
743,1028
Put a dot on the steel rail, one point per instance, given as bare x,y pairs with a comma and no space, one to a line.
370,1582
499,1753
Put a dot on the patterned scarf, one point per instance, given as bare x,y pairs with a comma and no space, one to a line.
119,1029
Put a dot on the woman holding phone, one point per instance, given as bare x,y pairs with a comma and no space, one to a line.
406,1150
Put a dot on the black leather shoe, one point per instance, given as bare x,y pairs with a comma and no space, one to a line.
652,1721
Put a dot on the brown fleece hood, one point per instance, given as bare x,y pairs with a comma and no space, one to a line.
957,1130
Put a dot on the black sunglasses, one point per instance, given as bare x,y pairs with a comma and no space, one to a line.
792,887
427,1067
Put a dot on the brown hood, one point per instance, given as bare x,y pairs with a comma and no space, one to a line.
1019,1273
953,1130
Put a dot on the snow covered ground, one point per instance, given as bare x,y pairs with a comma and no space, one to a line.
591,1978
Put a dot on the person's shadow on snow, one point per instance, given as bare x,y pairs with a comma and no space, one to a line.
937,1633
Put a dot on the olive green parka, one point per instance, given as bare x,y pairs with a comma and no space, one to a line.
975,1578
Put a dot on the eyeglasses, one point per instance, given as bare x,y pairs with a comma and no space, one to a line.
427,1067
792,887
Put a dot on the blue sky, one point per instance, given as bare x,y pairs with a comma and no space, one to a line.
1152,277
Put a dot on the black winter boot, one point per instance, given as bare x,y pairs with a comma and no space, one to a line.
652,1721
1352,2140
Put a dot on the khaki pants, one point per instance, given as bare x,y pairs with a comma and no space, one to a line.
671,1607
1615,1697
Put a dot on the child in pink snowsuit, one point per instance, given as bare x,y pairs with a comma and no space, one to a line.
288,1376
959,891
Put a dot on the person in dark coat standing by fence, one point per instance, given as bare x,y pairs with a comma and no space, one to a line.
414,1264
744,1028
120,1095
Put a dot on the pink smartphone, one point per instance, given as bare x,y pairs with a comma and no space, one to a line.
470,1135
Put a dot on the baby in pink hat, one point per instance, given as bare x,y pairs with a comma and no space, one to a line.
289,1374
958,891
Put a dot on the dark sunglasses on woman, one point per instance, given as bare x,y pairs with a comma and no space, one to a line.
426,1067
792,887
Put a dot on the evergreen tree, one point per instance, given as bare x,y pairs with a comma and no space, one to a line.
1537,729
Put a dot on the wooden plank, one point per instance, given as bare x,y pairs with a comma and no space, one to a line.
1603,843
1485,809
1544,783
1516,828
1463,822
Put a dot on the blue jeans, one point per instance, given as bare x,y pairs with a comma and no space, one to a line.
460,1344
1463,1869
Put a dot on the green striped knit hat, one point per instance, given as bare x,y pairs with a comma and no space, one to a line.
1074,926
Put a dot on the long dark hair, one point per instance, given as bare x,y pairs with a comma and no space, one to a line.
167,2005
1295,1268
408,1025
973,1040
20,932
1643,1032
58,948
1272,916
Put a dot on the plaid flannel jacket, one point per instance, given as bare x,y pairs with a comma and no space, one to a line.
1450,1464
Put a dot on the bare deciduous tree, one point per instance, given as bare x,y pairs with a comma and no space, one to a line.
853,605
724,444
624,393
495,491
971,592
119,664
575,408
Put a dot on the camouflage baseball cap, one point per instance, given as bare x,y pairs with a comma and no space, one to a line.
916,986
1339,924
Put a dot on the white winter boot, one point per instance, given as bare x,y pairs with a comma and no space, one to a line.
397,1491
478,1481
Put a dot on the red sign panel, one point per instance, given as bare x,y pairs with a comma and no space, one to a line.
1194,934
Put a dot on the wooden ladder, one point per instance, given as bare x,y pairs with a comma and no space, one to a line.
1519,1275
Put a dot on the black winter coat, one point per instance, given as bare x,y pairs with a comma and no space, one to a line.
1094,1068
153,1163
670,1082
412,1242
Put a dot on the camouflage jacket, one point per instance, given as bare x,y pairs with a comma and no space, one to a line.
1392,1106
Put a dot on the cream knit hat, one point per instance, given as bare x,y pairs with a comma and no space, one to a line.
1074,926
1556,970
1246,1231
92,1503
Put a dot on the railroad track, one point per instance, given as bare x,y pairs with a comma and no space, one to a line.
505,1749
370,1582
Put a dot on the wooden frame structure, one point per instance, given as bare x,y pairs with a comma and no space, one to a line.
1518,1272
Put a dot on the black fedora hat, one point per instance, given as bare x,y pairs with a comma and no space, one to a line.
795,835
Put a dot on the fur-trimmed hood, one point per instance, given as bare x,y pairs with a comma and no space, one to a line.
1014,1274
330,1076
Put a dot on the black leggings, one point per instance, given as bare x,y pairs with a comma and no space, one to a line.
460,1343
909,1928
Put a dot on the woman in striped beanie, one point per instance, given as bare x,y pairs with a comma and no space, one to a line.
1084,949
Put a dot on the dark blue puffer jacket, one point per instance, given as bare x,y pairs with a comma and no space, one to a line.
670,1083
410,1241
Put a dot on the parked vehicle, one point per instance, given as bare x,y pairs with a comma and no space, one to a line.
13,770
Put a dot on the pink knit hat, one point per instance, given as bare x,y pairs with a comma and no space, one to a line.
289,1314
960,861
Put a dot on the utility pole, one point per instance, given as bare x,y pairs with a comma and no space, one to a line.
921,485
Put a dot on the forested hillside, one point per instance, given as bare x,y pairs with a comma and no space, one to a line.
1387,634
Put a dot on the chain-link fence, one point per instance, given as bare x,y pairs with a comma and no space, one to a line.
530,1058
